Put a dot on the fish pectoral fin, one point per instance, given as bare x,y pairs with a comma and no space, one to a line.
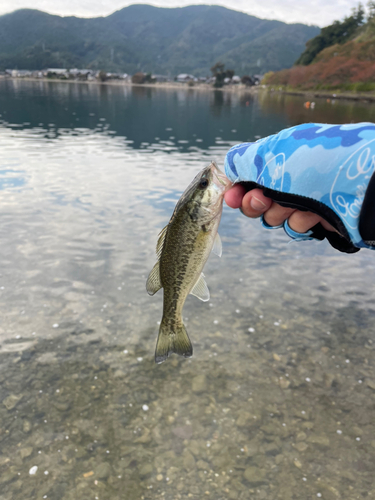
200,289
153,280
217,248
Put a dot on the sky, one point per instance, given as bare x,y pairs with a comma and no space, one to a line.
317,12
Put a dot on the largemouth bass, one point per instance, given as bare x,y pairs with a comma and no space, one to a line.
183,248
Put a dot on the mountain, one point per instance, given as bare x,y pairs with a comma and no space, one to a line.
151,39
342,57
347,67
337,33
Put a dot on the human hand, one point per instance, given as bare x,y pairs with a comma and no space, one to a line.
253,204
315,180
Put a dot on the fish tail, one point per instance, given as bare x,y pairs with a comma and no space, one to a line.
172,339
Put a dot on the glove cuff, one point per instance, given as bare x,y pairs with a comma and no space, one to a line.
367,216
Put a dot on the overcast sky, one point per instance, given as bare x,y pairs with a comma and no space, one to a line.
318,12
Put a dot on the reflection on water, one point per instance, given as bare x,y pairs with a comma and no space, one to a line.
188,118
329,110
278,400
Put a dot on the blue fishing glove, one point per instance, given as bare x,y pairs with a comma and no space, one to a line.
325,169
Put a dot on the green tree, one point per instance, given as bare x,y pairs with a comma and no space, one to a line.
217,68
371,10
102,76
220,74
229,73
148,79
359,14
247,80
139,77
338,32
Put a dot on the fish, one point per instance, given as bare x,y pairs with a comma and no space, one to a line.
182,250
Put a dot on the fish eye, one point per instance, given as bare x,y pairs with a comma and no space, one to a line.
203,183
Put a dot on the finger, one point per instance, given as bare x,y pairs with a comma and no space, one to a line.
303,221
254,203
277,214
328,226
233,197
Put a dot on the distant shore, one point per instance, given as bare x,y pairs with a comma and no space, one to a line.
351,96
237,88
162,85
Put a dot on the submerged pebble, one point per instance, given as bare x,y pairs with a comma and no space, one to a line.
254,475
103,470
199,383
26,452
11,401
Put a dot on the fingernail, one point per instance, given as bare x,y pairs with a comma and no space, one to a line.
257,204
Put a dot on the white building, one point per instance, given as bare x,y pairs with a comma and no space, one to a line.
184,77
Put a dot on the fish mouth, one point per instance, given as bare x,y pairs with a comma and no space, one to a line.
220,179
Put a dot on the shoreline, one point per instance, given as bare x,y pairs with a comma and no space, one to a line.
235,88
161,85
350,96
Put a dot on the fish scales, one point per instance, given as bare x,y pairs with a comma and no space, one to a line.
181,267
183,249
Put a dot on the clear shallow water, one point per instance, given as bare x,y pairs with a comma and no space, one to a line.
278,401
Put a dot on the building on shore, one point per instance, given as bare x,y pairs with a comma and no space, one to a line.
184,78
80,74
19,73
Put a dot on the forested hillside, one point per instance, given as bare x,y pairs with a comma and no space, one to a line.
151,39
342,57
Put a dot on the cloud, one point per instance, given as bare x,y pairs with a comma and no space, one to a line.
318,12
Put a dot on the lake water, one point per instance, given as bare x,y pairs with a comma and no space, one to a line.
278,401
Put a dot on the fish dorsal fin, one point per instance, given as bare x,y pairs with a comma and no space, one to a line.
200,289
161,239
217,248
153,280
